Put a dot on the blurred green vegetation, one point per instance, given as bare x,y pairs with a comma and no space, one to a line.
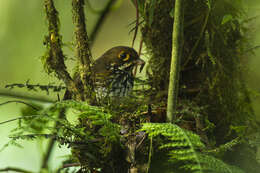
254,64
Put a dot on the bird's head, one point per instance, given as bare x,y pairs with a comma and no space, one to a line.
121,57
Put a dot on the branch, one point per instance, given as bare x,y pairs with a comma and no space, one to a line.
100,21
54,56
82,49
175,60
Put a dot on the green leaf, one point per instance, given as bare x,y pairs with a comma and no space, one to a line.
226,18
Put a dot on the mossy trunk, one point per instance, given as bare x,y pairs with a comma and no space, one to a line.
212,68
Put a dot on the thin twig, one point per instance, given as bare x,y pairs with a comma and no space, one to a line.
197,42
251,49
140,47
7,121
100,21
137,23
70,165
52,141
14,169
92,9
251,19
141,141
19,101
139,53
132,29
47,155
25,97
18,118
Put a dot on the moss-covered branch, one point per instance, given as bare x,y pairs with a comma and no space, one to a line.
54,57
82,48
175,61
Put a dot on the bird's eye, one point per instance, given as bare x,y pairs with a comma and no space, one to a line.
123,56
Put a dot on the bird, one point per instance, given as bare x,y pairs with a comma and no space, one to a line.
113,73
115,70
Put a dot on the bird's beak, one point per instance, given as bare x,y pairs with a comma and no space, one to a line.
137,63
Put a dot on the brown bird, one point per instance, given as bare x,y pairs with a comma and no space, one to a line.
114,71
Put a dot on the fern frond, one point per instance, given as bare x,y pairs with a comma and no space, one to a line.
35,124
227,146
183,144
184,147
96,115
214,165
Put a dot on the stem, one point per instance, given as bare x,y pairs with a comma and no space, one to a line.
47,155
175,61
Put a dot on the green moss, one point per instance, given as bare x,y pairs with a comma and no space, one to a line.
212,75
